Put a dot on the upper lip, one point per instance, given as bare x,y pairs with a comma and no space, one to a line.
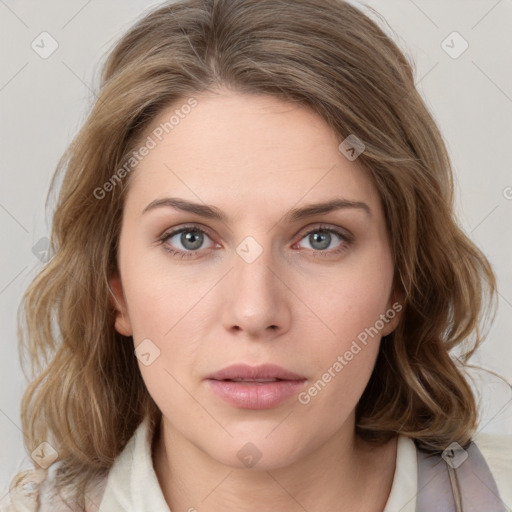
264,371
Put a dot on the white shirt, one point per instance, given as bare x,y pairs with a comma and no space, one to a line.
132,484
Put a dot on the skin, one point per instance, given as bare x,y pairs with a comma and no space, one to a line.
255,158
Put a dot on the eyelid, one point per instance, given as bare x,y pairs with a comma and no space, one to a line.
191,227
342,232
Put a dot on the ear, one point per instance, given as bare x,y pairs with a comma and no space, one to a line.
393,313
122,324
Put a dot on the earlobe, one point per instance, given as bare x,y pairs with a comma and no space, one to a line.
393,318
393,313
122,323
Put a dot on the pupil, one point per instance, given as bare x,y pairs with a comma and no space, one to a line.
324,238
191,239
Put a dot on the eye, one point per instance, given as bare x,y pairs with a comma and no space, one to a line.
321,239
191,239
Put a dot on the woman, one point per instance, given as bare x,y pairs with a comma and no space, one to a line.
258,281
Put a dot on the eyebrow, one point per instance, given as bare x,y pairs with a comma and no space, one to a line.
295,214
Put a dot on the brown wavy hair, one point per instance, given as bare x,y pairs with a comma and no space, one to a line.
86,395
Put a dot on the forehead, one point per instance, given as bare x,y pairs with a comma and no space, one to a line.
257,148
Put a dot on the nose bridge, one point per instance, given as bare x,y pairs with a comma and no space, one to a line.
253,269
252,277
255,299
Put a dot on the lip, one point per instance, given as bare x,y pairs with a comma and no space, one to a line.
252,394
264,371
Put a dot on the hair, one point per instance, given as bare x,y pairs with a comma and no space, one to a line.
86,395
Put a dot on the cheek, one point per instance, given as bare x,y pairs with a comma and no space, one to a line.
162,298
350,307
344,357
168,309
162,310
351,301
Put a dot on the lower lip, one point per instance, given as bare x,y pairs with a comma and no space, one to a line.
254,395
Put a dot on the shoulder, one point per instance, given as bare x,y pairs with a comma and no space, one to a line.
37,492
24,491
497,452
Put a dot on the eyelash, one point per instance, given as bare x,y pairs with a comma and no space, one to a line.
346,239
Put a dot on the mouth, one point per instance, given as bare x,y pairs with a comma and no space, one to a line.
261,387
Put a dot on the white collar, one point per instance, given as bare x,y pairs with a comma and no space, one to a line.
133,485
405,482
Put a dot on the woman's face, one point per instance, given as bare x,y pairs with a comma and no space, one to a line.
251,280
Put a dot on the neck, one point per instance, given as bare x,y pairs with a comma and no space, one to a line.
344,474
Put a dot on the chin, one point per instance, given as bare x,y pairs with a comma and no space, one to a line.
254,453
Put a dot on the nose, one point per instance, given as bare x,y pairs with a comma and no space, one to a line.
257,300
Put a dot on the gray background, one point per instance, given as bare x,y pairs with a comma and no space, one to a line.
44,101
